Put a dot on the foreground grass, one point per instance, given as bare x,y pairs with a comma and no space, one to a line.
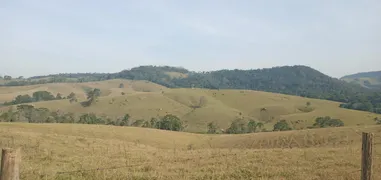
104,152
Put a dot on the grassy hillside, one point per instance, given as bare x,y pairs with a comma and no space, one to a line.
196,107
109,152
108,88
365,79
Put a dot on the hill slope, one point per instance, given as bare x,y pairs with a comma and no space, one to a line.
366,79
293,80
196,107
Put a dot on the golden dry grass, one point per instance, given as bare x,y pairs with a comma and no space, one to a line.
138,153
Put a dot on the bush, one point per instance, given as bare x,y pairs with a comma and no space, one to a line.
90,118
282,125
170,122
212,128
327,121
238,126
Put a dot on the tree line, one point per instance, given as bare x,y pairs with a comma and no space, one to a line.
36,97
240,126
30,114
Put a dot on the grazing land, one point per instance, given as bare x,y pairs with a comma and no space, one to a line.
196,107
78,151
109,152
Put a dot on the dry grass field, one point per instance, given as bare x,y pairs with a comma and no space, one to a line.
74,151
144,100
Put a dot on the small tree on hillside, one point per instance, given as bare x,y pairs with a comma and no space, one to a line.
92,96
72,97
253,126
212,128
8,78
327,121
170,122
125,120
282,125
59,96
238,126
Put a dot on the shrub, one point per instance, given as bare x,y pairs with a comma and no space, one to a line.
212,128
327,121
170,122
252,126
282,125
238,126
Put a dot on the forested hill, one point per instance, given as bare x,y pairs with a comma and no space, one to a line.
294,80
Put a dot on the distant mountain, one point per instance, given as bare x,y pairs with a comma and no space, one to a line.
294,80
371,80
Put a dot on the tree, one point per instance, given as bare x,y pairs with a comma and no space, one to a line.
238,126
26,111
251,126
9,116
260,126
72,97
121,85
282,125
92,96
125,120
43,96
90,118
22,99
212,128
8,78
39,115
327,121
146,124
170,122
59,96
154,123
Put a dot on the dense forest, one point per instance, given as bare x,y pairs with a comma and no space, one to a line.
294,80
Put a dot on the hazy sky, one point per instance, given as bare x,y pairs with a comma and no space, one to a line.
337,37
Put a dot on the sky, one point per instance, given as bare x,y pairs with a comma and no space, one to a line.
42,37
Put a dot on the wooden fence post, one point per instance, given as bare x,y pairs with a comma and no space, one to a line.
366,158
10,163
